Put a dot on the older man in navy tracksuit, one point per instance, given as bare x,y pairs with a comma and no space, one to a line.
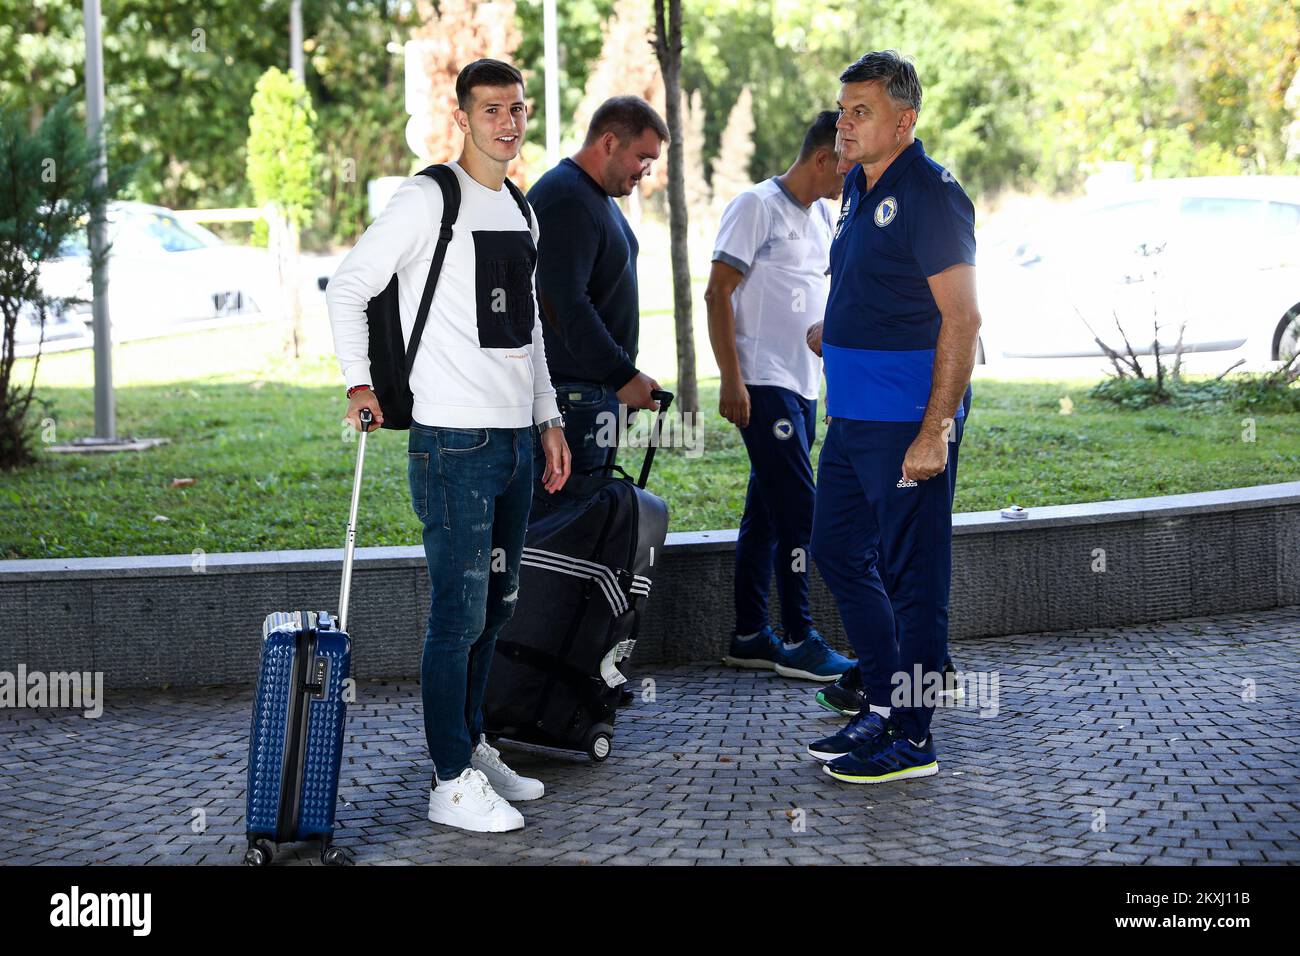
898,345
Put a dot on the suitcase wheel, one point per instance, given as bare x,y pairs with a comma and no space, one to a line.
599,742
259,853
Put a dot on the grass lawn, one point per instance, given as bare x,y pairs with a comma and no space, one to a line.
262,438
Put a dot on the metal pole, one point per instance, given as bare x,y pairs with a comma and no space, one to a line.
551,61
105,413
295,40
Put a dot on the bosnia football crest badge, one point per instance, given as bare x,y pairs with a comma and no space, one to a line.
886,211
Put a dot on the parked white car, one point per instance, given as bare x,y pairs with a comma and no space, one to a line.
60,331
163,272
1215,259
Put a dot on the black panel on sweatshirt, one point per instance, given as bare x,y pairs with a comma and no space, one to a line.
503,288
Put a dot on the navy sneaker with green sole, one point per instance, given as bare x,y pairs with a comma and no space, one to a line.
844,697
894,758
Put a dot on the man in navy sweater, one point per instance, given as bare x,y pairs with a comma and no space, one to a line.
586,276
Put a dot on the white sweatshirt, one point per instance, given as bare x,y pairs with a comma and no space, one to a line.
481,362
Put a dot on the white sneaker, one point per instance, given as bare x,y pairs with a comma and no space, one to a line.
469,802
504,780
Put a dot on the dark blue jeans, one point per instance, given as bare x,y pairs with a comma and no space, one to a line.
776,528
885,553
471,488
588,410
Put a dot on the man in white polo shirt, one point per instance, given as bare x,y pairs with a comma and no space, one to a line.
766,287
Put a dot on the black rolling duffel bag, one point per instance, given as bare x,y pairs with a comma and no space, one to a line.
588,564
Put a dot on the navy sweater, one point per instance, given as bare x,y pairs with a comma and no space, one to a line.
586,279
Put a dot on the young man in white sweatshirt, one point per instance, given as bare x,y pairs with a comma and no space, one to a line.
482,395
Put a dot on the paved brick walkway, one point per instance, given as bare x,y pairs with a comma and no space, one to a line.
1146,725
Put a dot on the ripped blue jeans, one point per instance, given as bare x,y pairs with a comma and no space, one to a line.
471,488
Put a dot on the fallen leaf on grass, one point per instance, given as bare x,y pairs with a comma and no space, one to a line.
161,518
183,482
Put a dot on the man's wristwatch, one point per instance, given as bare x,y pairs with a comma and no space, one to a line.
556,422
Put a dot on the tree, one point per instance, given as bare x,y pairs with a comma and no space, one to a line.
48,196
1241,57
357,85
282,164
736,149
1292,102
459,32
627,65
778,51
182,74
668,49
580,25
698,193
43,48
1017,92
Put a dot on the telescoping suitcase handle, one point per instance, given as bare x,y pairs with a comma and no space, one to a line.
349,546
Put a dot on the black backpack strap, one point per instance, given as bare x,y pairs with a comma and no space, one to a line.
446,180
522,203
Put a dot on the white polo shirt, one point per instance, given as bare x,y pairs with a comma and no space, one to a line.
783,250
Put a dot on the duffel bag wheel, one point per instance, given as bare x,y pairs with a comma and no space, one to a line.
259,853
599,746
335,856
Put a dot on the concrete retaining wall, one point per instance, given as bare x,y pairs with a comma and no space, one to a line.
150,621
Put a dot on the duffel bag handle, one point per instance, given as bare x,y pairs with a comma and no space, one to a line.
664,398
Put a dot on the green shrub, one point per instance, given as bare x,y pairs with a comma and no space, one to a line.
48,194
1247,391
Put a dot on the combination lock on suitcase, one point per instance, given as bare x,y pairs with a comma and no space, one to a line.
299,713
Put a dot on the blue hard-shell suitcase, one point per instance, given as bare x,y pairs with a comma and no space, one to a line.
299,712
296,741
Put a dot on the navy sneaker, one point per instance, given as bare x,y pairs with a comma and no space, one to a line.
867,730
812,659
844,697
894,758
760,652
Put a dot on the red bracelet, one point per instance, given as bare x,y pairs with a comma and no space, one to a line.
356,388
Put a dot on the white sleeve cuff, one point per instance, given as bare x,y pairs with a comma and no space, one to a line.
357,373
545,408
